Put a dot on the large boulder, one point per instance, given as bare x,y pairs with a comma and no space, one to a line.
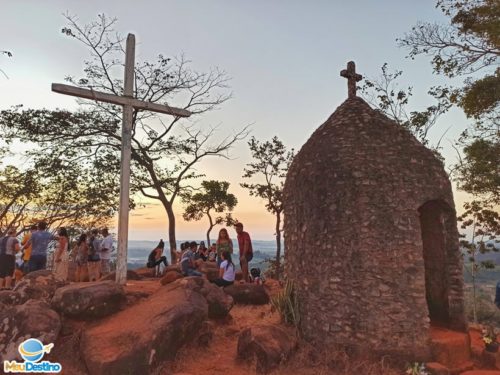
251,294
9,297
219,303
40,285
210,270
131,275
170,277
136,340
33,319
89,300
270,345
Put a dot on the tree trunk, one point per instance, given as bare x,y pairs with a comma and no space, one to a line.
171,231
209,228
278,244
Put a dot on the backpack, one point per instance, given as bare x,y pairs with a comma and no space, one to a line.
3,245
255,272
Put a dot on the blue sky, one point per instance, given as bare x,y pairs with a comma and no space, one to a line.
284,58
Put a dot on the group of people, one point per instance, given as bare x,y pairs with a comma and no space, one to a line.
91,254
193,255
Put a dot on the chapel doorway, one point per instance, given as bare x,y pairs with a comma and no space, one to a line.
434,220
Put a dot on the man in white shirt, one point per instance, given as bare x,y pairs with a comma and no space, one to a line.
105,251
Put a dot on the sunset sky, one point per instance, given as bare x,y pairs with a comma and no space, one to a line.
284,58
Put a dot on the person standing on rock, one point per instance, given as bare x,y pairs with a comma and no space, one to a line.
224,243
106,248
61,255
9,246
27,247
82,254
94,258
39,244
246,251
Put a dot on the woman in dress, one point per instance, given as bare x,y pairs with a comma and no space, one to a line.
224,243
82,253
61,255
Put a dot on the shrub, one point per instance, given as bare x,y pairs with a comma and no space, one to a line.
287,304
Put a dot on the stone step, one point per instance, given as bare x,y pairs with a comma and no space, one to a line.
450,348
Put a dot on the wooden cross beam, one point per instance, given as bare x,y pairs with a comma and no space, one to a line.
352,78
129,103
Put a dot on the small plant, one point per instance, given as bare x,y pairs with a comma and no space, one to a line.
417,369
287,304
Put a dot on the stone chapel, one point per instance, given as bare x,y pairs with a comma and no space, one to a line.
371,234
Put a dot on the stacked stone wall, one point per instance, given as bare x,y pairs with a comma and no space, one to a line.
353,234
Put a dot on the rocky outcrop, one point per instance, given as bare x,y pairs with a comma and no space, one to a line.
136,340
210,270
39,285
251,294
270,345
170,277
9,297
33,319
219,303
131,275
89,300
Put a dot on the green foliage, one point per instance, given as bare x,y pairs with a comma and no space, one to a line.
481,96
213,199
479,172
73,195
287,304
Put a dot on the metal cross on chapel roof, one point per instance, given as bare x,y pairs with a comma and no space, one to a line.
352,78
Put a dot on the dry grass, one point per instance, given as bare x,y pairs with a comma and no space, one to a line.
309,360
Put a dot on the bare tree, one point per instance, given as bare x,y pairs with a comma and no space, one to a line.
165,151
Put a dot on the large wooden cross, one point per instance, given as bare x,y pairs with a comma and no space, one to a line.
129,103
352,78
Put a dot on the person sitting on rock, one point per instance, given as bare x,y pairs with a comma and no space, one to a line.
227,270
156,256
202,252
212,253
188,265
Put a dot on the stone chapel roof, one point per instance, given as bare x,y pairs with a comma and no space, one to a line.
358,142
